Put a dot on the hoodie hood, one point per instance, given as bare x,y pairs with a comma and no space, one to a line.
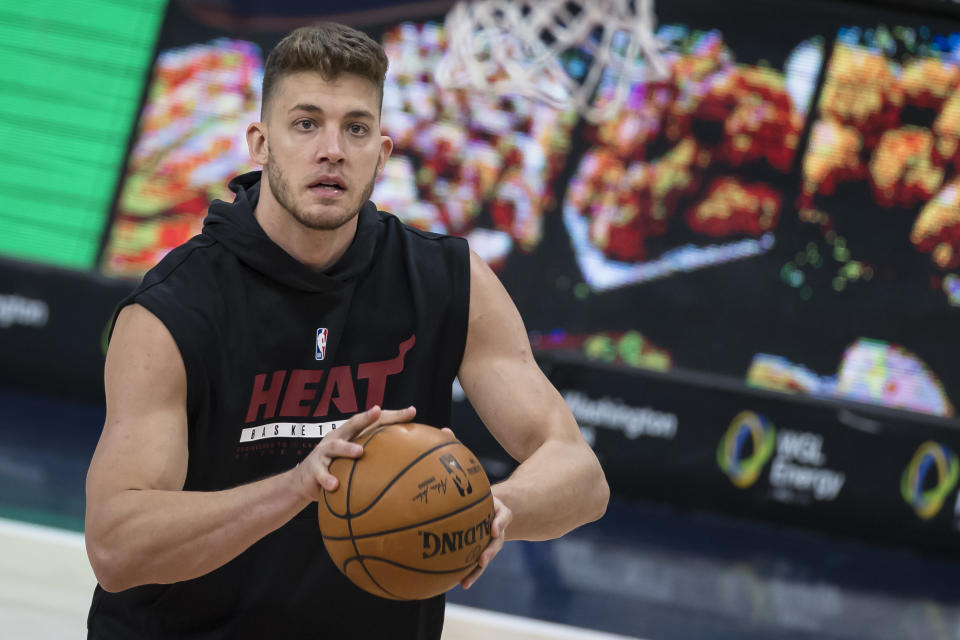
234,226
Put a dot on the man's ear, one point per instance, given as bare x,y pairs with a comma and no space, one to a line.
257,142
386,148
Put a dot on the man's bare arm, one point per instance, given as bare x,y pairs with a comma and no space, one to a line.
559,484
141,527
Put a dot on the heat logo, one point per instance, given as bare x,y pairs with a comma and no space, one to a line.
746,447
929,478
321,343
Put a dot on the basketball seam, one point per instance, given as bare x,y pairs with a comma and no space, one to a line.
348,515
408,568
409,526
326,502
353,541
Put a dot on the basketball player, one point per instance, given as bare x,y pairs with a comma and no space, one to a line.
299,308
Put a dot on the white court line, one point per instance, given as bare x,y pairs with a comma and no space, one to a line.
41,533
459,617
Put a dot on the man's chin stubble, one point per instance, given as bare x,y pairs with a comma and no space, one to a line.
281,194
322,224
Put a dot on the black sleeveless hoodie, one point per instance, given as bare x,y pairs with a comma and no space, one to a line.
274,350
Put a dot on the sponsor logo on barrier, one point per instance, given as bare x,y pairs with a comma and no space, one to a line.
16,309
799,467
929,478
797,471
607,413
745,448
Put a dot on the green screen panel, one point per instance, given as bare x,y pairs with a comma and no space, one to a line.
71,248
71,76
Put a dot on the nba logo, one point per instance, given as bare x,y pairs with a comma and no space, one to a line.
321,343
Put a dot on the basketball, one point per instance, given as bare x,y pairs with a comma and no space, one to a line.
411,516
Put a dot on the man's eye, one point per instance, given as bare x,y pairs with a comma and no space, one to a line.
304,125
358,129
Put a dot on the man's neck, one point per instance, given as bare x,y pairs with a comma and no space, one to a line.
316,248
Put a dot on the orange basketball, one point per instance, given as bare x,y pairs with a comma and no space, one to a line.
411,516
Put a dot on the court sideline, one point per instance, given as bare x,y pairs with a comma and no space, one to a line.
46,583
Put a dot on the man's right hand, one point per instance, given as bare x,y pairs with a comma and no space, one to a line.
313,475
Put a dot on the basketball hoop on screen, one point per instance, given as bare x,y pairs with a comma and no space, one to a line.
582,54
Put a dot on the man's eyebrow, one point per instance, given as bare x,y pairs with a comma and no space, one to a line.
360,113
303,106
312,108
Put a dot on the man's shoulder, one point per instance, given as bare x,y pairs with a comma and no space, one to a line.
441,254
417,234
182,286
184,264
177,291
436,264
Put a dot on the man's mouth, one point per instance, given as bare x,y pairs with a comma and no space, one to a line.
328,184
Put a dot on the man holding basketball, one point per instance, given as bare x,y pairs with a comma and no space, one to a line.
251,355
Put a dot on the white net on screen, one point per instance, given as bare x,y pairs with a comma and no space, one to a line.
556,51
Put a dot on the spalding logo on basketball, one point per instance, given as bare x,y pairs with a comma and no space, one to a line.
411,516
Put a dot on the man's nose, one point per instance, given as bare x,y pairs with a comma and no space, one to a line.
330,145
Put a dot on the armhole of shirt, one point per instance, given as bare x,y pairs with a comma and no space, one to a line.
188,341
458,258
185,339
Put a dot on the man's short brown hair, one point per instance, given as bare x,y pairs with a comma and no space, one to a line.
328,48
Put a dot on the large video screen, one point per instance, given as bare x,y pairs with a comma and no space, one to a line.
783,208
71,78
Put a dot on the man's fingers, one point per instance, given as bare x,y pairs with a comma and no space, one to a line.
342,449
313,475
357,423
338,444
502,516
467,582
371,418
496,544
498,531
390,416
328,481
393,416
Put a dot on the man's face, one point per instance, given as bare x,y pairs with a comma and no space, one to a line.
324,149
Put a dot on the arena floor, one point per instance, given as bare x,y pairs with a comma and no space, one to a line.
644,571
46,583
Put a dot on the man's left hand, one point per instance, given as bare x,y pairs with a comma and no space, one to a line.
502,515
